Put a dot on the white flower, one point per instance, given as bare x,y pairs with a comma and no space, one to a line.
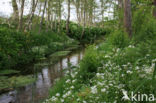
62,100
73,81
53,98
72,87
129,72
118,49
94,90
131,46
99,83
57,94
111,84
72,75
78,99
107,56
154,60
84,102
67,81
103,90
137,68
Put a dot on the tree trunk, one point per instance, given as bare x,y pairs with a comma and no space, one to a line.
41,23
15,10
48,15
51,21
82,10
120,4
84,21
154,10
34,5
127,17
20,27
78,12
120,12
68,19
59,17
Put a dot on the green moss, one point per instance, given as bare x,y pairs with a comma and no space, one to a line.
14,82
60,54
8,72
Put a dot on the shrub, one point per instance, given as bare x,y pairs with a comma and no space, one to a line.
89,63
144,25
119,39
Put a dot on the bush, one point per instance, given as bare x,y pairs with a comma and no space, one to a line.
144,25
89,63
18,49
119,39
90,33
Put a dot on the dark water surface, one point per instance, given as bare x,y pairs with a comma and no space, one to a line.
38,91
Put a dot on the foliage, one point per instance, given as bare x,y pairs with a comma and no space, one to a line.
13,82
111,79
89,64
8,72
21,48
144,25
90,33
60,53
119,39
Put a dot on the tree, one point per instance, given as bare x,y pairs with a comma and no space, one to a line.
59,15
20,26
84,17
68,18
15,10
154,11
127,17
33,8
120,12
42,18
77,5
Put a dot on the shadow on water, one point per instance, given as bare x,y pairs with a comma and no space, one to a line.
38,91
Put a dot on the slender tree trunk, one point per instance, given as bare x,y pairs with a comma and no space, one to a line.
48,14
34,5
51,21
120,12
84,17
68,19
15,10
120,3
78,12
55,22
154,11
127,17
20,27
82,13
59,17
44,9
94,17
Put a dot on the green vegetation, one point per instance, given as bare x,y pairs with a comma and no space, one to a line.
18,49
124,62
120,65
10,83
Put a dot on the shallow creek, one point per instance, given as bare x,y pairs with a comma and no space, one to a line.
38,91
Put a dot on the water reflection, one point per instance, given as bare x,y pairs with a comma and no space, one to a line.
39,90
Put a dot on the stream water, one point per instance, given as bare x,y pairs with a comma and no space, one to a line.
38,91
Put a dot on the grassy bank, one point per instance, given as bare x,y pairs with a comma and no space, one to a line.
119,65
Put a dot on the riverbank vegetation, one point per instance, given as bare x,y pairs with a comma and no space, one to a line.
124,62
28,38
123,65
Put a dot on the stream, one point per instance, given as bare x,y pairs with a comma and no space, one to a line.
39,91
